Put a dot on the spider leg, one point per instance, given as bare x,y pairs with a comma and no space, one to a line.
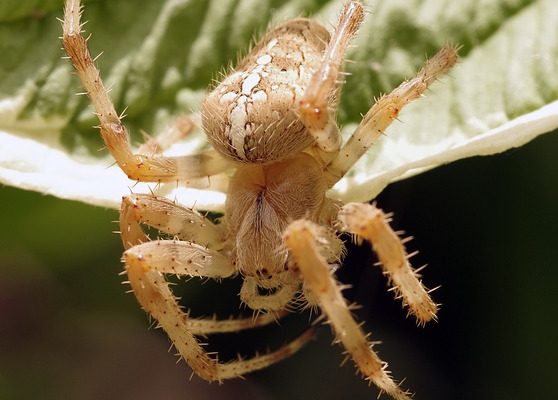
180,258
189,225
370,223
173,133
385,110
145,265
301,238
314,107
168,217
146,262
276,301
207,326
146,168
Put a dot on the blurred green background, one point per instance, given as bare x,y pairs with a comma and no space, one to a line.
487,227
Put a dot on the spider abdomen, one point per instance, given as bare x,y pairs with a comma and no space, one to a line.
249,116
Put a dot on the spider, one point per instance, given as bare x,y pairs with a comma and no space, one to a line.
271,125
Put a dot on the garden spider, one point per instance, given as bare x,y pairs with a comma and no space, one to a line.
271,124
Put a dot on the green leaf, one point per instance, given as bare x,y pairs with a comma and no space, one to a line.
159,58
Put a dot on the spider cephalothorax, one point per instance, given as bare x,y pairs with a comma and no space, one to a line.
271,124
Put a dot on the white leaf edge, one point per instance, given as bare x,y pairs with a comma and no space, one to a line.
511,134
31,165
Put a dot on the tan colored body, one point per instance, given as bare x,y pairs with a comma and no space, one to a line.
272,126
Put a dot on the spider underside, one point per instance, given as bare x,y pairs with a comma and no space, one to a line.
271,124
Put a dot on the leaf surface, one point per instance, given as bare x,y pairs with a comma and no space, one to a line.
160,62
